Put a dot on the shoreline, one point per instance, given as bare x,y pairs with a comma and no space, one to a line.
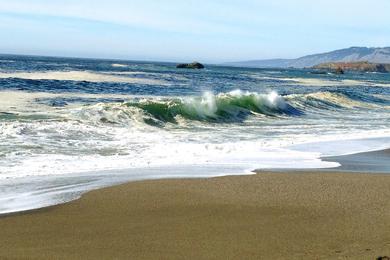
371,162
269,214
294,214
367,162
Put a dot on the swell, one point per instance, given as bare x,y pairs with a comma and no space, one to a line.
331,101
236,106
231,107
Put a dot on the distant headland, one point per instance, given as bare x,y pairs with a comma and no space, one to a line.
349,55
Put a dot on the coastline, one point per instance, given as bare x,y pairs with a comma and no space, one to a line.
309,214
73,186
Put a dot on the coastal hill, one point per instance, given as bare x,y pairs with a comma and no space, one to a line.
354,66
353,54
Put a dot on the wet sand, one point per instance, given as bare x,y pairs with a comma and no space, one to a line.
373,162
263,216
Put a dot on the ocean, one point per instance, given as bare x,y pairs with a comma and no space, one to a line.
71,125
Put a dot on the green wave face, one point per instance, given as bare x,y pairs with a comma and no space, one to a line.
233,106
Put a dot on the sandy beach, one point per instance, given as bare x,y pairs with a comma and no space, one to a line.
264,216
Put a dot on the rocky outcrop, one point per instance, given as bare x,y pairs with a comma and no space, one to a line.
193,65
353,66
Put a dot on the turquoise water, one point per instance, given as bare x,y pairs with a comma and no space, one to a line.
106,121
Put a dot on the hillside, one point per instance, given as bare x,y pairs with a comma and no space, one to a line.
353,54
354,66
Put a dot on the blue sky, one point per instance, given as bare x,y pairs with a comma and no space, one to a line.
182,30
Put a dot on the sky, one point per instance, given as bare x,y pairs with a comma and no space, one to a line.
210,31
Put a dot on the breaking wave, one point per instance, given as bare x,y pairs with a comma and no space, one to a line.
231,107
234,106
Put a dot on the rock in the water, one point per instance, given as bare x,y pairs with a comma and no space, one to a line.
193,65
319,72
339,71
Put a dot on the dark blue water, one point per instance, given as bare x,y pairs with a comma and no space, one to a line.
181,81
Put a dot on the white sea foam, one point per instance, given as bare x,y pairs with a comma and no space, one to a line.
127,73
320,82
155,150
316,82
81,76
119,65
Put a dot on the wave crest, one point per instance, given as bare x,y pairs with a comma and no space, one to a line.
223,107
234,106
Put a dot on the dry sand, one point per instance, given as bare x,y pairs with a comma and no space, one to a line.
263,216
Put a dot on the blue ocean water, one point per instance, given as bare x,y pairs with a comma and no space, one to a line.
68,125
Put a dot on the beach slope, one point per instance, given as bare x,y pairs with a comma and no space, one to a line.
263,216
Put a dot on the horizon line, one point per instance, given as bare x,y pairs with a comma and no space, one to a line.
167,61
